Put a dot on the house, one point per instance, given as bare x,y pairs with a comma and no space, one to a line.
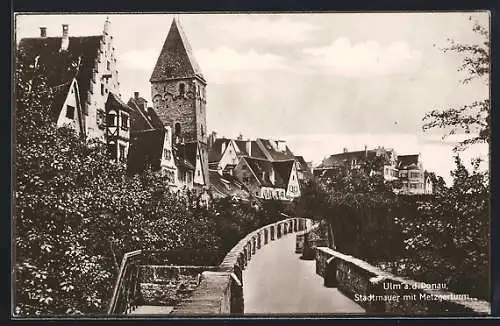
84,69
153,148
117,127
89,59
383,162
406,168
268,180
411,174
304,171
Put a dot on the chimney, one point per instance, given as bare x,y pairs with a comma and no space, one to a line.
65,37
366,151
136,95
345,149
240,137
43,31
249,147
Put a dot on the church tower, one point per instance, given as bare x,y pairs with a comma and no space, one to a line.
178,93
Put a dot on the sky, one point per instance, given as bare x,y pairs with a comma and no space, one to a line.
320,81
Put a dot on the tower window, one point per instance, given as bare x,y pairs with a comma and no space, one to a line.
182,89
102,89
108,65
202,131
70,112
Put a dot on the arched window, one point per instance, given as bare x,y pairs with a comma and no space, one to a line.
182,89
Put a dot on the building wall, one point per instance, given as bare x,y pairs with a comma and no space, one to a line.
96,101
293,189
229,156
71,100
186,108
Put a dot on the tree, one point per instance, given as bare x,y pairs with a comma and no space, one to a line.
473,117
77,213
448,237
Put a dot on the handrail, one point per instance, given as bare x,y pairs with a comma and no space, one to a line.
119,281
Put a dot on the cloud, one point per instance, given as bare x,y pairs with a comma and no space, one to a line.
224,64
139,59
364,59
246,28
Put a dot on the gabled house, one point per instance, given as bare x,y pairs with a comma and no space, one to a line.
117,127
89,59
268,180
304,172
411,174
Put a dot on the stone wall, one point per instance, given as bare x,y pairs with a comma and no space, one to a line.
168,285
221,292
381,292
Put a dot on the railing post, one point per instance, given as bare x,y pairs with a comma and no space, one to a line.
266,236
254,244
259,236
272,232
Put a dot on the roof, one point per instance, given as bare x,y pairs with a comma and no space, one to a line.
138,117
254,148
114,102
215,152
62,66
262,170
176,59
302,163
59,95
227,185
269,148
146,149
282,171
407,160
340,159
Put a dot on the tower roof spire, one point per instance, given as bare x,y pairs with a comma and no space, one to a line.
176,59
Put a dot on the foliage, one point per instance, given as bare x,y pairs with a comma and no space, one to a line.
474,117
448,237
76,212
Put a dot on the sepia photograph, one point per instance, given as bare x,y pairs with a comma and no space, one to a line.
251,164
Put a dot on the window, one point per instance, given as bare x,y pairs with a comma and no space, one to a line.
167,154
199,173
108,65
246,179
182,89
102,89
189,177
202,131
124,121
70,112
122,153
110,121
